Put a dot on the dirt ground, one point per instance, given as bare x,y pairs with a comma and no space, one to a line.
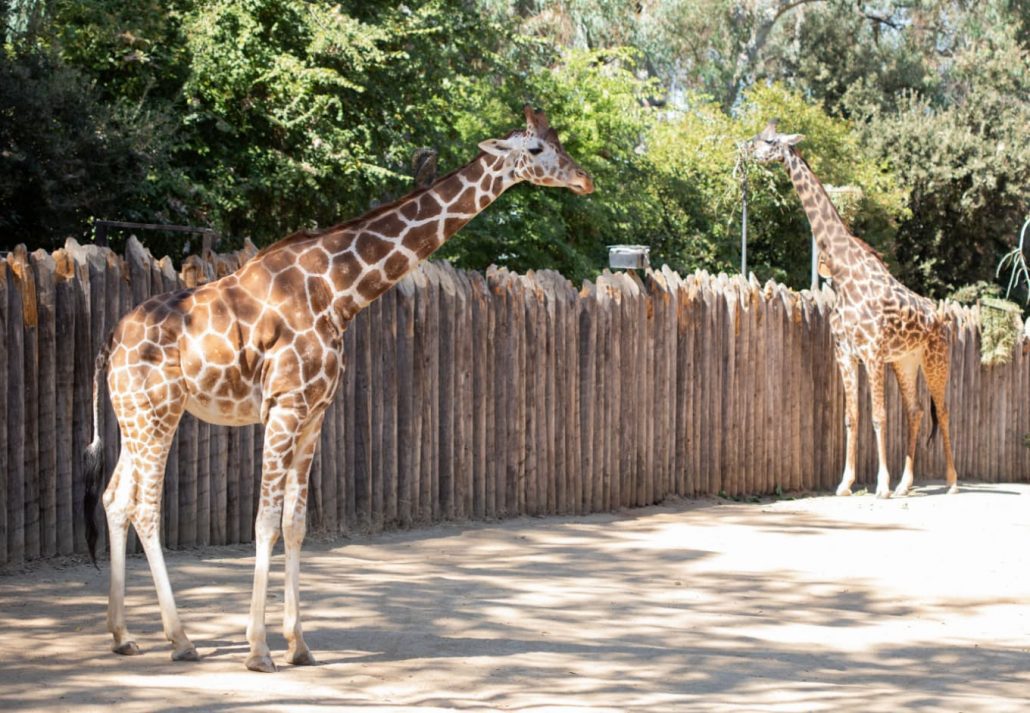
816,604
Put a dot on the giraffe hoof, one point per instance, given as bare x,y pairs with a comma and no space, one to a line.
129,648
843,490
953,489
261,663
302,658
187,654
900,492
883,494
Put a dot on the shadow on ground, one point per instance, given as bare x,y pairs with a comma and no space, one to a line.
821,604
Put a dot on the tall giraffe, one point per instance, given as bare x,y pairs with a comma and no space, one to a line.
875,319
265,344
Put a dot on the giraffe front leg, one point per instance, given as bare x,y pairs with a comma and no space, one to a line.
298,652
284,451
294,523
876,396
849,375
907,371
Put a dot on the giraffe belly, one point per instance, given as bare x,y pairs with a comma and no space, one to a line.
223,412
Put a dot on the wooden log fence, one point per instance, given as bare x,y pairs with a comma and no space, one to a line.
470,396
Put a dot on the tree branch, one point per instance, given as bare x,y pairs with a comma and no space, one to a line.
759,36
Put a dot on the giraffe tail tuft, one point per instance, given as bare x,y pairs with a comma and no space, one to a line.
93,458
933,421
94,475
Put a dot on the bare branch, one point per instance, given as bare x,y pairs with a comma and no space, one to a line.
759,37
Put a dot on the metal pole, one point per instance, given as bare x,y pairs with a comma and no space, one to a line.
815,264
741,167
743,233
101,227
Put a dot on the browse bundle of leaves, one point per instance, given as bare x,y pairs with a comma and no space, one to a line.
1001,324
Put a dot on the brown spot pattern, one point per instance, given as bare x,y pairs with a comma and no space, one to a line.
265,344
879,321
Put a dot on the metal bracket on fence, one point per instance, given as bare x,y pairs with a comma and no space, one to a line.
209,240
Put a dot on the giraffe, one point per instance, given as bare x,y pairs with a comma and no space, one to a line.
264,344
875,319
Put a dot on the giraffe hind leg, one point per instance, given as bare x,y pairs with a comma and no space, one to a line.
117,498
935,369
134,496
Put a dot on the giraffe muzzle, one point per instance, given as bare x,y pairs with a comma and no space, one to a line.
581,184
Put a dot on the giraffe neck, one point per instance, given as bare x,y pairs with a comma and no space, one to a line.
828,227
372,253
849,257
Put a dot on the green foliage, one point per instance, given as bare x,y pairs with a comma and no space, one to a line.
67,156
133,50
971,293
593,100
300,114
259,117
273,135
697,155
851,58
1001,324
967,166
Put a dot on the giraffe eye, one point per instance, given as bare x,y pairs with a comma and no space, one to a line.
536,149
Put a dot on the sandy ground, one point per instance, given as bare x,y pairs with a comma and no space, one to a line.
817,604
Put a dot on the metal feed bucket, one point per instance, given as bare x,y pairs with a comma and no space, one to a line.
628,257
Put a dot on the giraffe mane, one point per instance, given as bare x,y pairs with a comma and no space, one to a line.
869,249
306,234
861,243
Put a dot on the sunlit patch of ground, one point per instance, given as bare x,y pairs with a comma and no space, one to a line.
817,604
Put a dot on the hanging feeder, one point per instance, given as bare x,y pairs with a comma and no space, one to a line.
628,257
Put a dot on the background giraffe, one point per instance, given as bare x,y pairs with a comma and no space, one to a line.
265,344
875,319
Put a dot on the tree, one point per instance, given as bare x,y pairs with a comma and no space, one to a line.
967,164
67,156
697,154
259,117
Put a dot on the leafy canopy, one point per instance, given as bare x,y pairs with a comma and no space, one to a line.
259,117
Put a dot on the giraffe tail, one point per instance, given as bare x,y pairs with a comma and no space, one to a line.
94,457
933,421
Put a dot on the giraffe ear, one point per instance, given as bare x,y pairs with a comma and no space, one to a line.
536,120
495,147
791,139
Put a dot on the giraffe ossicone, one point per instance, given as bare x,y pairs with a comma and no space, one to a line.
875,319
265,344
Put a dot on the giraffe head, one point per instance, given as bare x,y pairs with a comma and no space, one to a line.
535,154
770,145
